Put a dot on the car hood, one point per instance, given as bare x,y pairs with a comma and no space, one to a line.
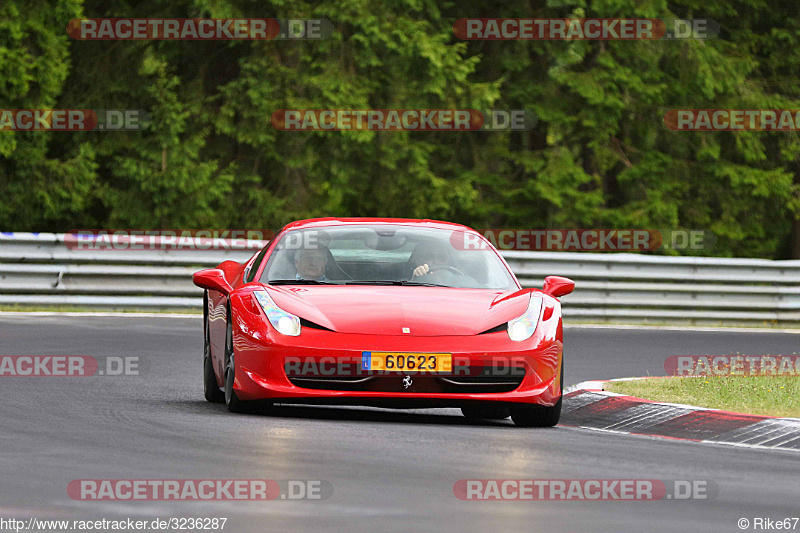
386,310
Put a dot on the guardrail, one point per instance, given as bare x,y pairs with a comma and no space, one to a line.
39,269
648,288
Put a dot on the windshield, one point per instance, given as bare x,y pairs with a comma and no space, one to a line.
385,255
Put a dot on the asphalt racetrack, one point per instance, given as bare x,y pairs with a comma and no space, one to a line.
390,470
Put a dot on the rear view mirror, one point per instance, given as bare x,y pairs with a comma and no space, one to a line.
212,279
558,286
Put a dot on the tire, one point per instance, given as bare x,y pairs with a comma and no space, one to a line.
234,404
485,412
539,416
212,391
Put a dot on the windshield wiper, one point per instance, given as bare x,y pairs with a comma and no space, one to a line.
372,282
401,282
301,282
423,284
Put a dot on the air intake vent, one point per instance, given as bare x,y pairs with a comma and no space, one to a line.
308,324
496,329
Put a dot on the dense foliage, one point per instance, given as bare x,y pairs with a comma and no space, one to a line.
600,155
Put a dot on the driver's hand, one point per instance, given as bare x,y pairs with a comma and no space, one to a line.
421,270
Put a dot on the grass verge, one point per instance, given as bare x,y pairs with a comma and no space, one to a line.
757,395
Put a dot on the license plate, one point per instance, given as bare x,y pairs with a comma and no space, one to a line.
407,362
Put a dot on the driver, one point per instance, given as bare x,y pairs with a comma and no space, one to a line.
429,257
311,264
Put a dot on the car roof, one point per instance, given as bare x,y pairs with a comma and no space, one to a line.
350,221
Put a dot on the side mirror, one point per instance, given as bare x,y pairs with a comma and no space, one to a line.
558,286
212,279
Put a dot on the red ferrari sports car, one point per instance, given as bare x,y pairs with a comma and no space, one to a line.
383,312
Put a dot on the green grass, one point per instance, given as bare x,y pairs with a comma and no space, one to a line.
757,395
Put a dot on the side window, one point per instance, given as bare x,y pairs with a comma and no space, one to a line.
254,267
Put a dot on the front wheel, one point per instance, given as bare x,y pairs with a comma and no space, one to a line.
211,390
235,405
538,416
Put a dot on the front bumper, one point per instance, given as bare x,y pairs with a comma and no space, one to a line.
263,356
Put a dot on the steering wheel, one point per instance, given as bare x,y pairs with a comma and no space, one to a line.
452,269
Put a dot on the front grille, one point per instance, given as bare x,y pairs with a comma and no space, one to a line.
482,381
331,383
479,384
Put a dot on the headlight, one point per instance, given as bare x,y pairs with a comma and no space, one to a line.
522,328
283,322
